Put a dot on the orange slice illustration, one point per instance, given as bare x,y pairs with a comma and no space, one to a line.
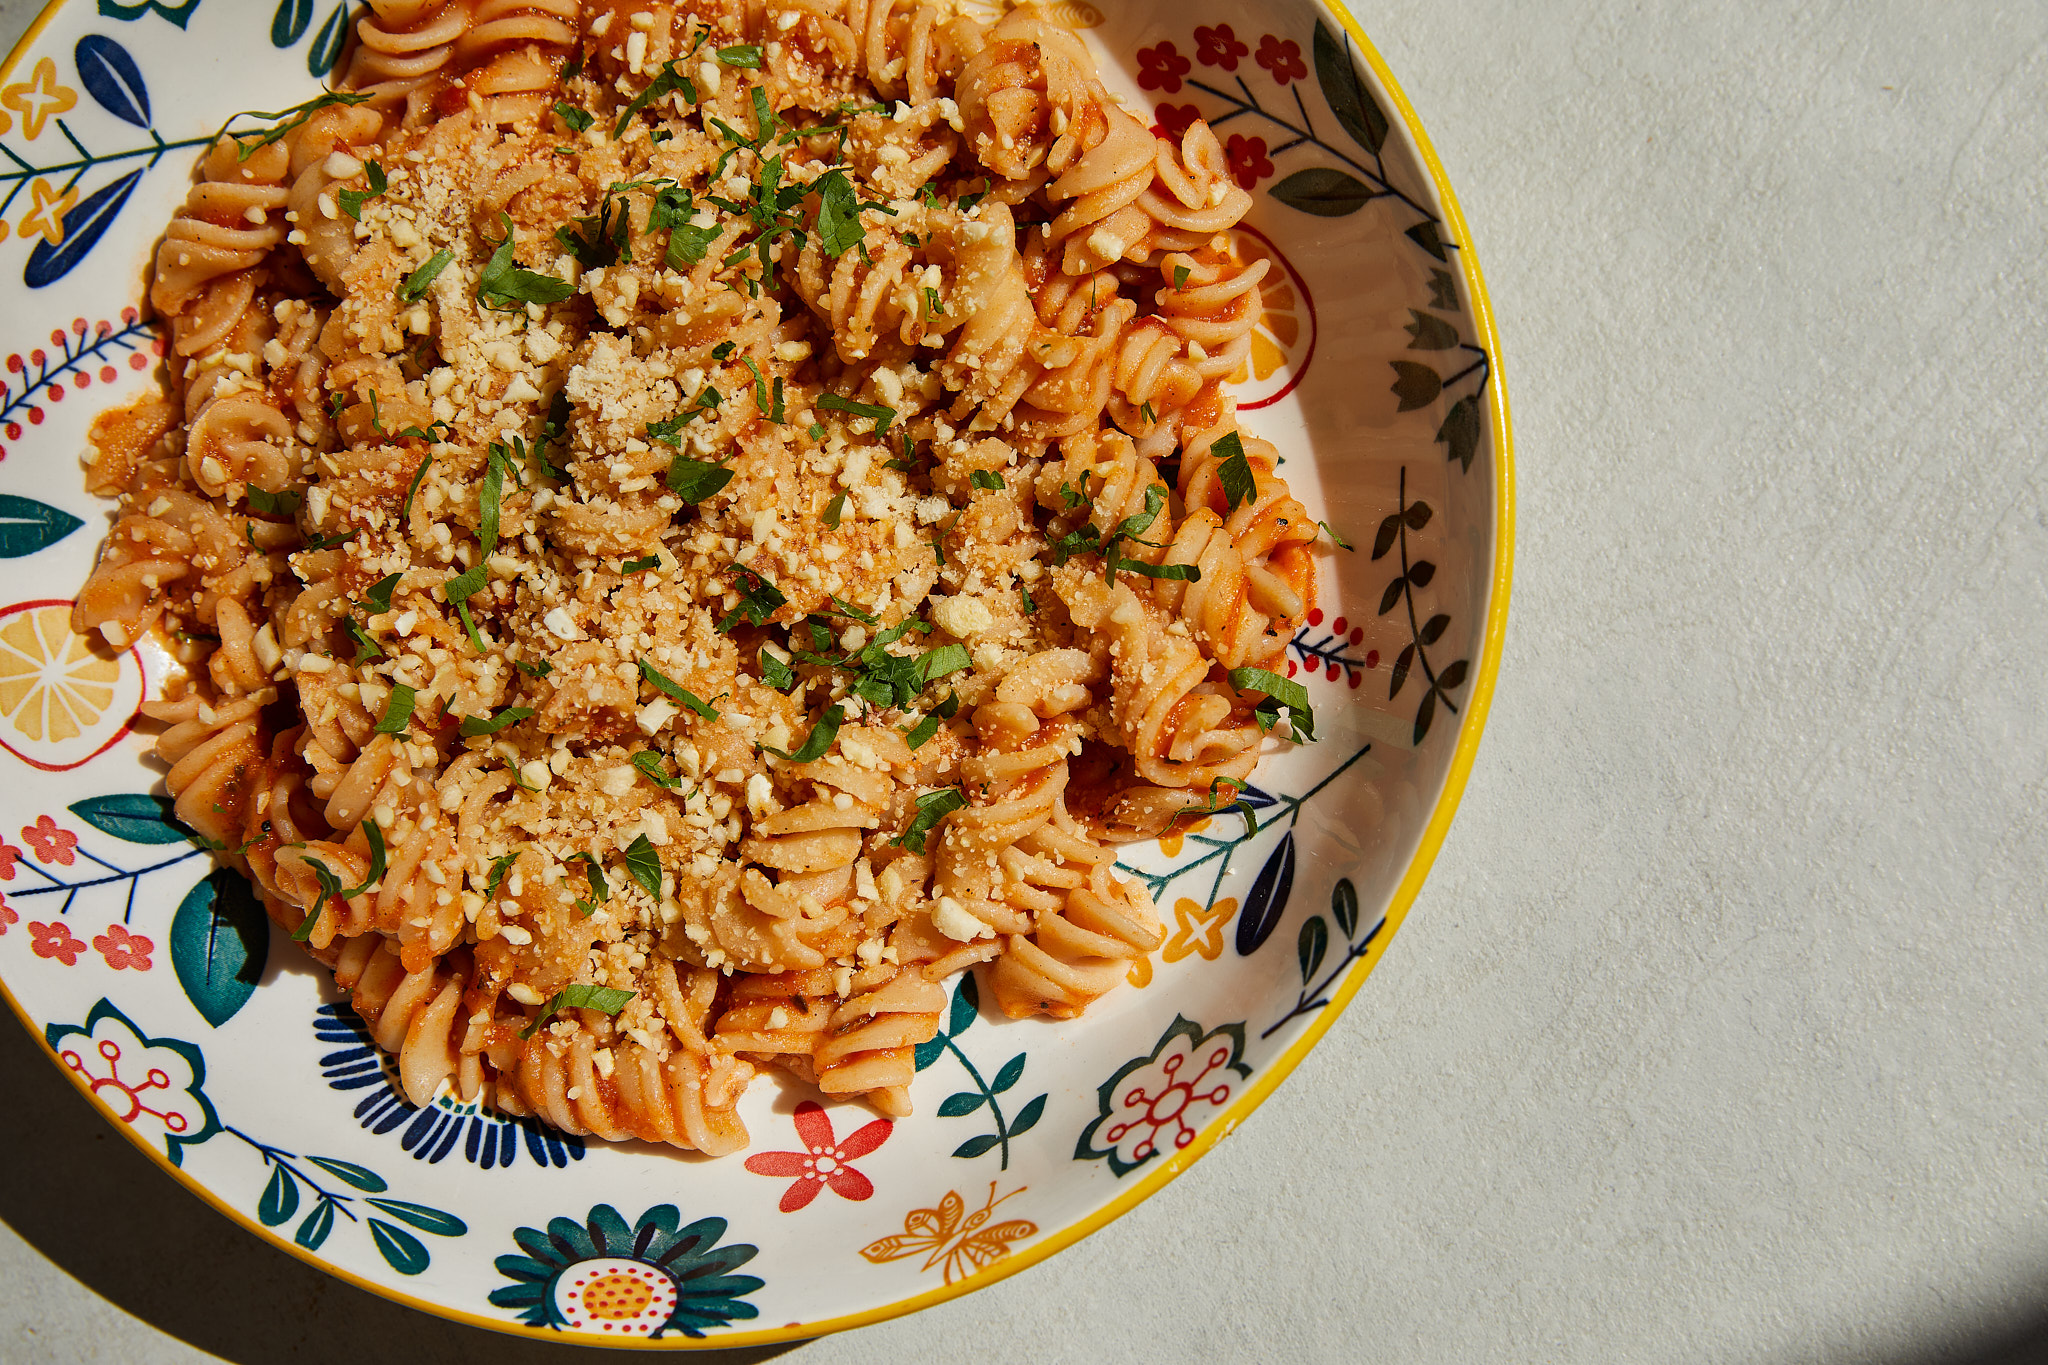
1285,337
61,702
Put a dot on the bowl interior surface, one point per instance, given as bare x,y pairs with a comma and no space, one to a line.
215,1045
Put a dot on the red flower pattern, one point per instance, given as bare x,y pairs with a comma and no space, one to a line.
8,854
1218,46
52,845
1282,57
1161,67
55,940
825,1160
1249,163
123,949
1174,120
7,915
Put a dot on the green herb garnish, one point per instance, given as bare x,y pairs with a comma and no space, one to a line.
397,716
665,684
472,726
505,286
881,416
1279,692
603,999
1235,472
645,865
267,504
670,80
352,201
759,599
415,285
932,807
818,741
649,764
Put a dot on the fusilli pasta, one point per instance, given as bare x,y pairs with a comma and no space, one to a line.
689,524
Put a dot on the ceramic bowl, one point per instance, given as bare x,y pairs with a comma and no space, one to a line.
224,1053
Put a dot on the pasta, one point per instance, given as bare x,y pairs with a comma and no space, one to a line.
689,524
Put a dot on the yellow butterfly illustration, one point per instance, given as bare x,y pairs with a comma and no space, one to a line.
963,1246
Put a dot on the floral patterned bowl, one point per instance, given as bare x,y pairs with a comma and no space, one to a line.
140,964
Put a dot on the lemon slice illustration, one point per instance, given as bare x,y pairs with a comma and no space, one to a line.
61,701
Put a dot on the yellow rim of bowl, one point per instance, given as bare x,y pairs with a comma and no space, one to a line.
1478,704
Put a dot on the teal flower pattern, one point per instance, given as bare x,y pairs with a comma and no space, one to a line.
602,1276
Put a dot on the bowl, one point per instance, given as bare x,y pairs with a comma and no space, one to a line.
220,1050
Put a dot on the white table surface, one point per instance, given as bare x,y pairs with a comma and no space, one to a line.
1717,1033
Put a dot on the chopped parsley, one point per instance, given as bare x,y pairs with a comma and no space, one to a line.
499,868
746,55
987,479
352,201
505,286
835,510
397,716
249,143
641,564
1235,473
768,408
775,673
593,872
645,866
818,741
1279,692
265,503
472,726
932,807
650,766
670,80
603,999
880,415
405,512
839,225
1180,277
576,119
695,480
759,599
379,595
330,884
415,286
665,684
367,647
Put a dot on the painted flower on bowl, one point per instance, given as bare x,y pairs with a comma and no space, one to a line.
1161,67
825,1160
156,1086
603,1276
55,940
1174,120
123,950
1158,1103
1249,163
52,844
1282,58
1219,46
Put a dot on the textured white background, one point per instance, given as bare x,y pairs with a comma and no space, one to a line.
1717,1033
